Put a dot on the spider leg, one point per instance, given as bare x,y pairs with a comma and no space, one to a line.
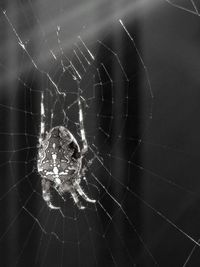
82,130
85,167
76,200
83,195
42,123
46,194
59,192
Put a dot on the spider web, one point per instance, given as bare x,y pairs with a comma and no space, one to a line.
142,157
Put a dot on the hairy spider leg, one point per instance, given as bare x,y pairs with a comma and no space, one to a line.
46,194
83,195
77,77
42,123
59,192
77,201
84,149
82,130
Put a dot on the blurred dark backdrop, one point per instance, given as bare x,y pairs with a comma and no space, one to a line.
163,168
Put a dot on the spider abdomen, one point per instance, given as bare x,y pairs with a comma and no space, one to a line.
59,156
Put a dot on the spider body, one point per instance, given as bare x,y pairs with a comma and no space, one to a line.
60,166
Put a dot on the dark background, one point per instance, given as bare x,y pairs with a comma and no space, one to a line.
154,164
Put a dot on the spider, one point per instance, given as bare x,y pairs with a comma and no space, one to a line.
60,161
